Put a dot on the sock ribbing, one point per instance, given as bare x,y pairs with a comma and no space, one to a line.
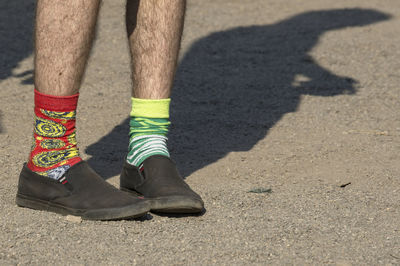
150,108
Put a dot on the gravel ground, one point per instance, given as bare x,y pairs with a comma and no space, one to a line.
286,119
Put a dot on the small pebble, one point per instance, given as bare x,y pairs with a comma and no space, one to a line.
260,190
73,219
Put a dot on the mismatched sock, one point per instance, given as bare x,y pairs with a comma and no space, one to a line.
54,148
148,130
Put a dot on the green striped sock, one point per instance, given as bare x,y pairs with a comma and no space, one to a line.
148,130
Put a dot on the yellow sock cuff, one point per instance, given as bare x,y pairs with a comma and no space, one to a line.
150,108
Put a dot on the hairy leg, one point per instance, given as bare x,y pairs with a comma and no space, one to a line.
154,29
64,34
63,38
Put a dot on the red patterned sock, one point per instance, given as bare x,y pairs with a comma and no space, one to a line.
54,148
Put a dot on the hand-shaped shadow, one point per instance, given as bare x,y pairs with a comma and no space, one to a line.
233,86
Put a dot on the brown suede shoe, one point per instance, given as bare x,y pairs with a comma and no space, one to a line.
81,193
159,181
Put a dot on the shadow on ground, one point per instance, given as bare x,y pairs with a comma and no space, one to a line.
1,127
233,86
16,27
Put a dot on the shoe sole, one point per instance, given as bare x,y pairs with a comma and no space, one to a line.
127,212
172,204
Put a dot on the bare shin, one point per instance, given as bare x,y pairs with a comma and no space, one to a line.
63,37
154,30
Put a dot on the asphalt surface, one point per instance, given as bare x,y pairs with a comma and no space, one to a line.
286,119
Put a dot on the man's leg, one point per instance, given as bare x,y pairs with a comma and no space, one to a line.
154,30
63,39
55,177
